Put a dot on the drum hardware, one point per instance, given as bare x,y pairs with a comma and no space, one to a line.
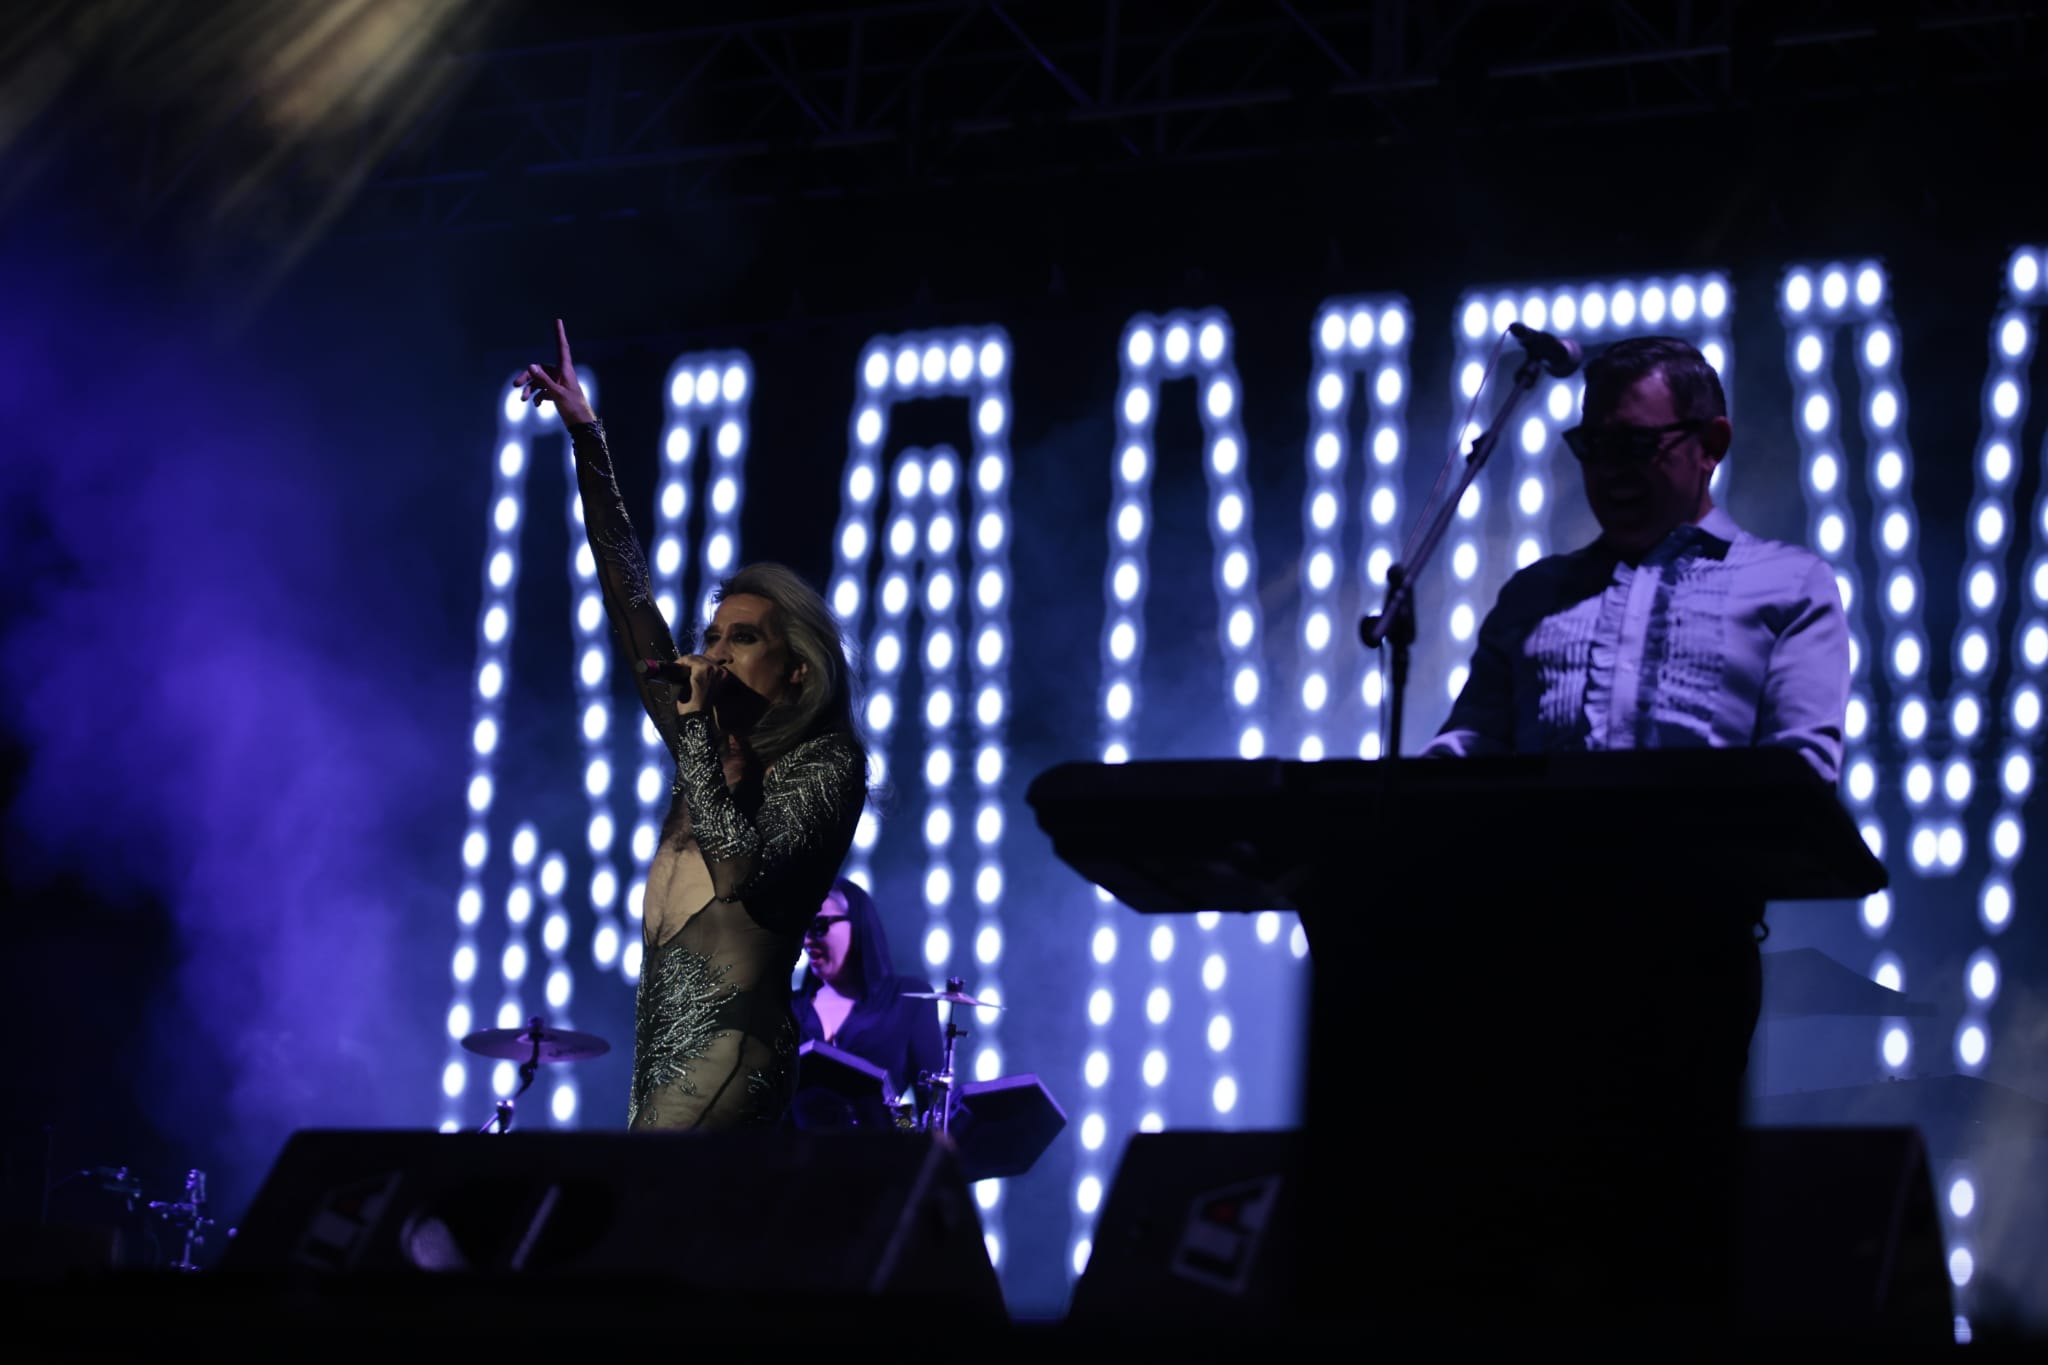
111,1180
952,995
531,1047
188,1217
938,1114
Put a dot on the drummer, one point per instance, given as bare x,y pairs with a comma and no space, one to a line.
852,999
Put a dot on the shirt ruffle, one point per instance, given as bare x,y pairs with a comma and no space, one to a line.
1604,654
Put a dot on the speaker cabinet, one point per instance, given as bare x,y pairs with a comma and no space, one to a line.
1842,1236
1830,1233
787,1215
1199,1227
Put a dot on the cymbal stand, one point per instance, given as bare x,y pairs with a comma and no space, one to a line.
188,1216
938,1115
501,1120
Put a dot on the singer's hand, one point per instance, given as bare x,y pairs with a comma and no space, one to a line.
707,681
557,383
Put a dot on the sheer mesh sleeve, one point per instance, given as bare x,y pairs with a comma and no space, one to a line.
622,573
811,798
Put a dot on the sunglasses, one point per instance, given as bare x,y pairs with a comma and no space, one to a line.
822,925
1625,445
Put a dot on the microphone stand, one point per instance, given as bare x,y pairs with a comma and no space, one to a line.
1395,623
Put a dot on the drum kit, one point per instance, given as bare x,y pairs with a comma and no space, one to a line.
532,1047
939,1113
999,1127
186,1218
537,1045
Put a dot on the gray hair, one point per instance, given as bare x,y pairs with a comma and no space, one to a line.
826,700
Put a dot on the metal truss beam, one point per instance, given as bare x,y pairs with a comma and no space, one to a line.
792,104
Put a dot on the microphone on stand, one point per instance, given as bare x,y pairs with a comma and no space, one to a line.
676,674
1559,356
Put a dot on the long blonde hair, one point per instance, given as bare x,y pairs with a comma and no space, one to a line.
826,698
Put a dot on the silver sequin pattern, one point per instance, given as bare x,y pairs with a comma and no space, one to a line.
811,799
686,1009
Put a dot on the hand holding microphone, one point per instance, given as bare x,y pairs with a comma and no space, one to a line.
697,680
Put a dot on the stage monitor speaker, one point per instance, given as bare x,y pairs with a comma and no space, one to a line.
1842,1236
1199,1228
1837,1237
791,1216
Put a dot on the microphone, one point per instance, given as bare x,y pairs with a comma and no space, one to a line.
1559,356
676,674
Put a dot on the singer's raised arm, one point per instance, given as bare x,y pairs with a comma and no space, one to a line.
622,574
621,564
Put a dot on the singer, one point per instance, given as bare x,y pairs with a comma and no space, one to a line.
770,778
1676,627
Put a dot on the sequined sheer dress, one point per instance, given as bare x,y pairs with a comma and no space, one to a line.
740,869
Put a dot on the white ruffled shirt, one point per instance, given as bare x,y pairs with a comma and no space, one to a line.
1717,639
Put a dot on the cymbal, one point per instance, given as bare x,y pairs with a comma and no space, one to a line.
556,1044
951,998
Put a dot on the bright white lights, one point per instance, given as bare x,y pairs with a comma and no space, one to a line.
1983,977
1995,905
1158,1005
1101,1006
1214,972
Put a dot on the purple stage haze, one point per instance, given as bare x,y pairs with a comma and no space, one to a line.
211,661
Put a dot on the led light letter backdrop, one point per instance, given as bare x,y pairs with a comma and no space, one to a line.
1363,339
1695,308
926,534
520,429
1936,781
947,538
